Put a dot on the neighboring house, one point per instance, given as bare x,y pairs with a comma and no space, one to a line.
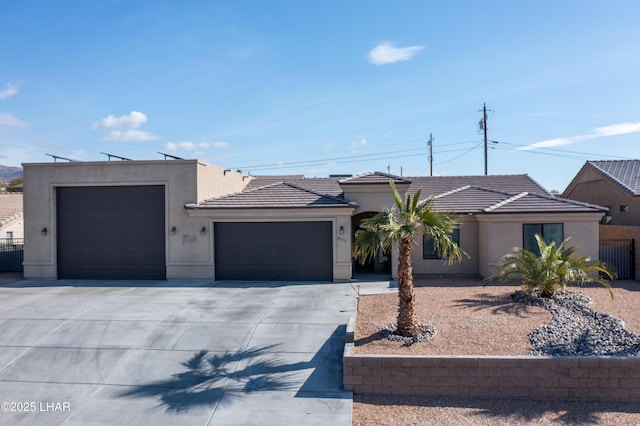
185,219
11,232
11,221
614,184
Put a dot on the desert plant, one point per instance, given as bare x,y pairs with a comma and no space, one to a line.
557,267
400,225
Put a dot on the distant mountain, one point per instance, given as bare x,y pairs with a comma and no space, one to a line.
7,173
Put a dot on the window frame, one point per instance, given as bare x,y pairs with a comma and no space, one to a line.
530,244
433,255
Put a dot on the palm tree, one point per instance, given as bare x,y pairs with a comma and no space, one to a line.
554,269
400,225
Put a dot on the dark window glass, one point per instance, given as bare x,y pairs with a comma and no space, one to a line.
428,248
548,231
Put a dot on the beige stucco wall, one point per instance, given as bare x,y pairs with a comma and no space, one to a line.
339,217
590,187
468,243
372,197
188,252
499,234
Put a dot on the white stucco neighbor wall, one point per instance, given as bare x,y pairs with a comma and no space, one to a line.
188,252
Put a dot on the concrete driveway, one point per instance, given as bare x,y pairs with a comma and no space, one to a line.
218,353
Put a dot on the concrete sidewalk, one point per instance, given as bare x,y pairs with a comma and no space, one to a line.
90,352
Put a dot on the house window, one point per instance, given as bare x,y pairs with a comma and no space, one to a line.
624,209
428,248
548,231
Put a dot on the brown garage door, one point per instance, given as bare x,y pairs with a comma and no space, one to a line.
273,251
111,232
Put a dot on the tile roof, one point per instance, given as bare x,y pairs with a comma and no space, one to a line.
326,186
539,203
472,199
10,207
624,173
457,194
277,195
373,178
434,185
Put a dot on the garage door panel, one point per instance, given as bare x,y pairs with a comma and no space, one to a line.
111,232
274,251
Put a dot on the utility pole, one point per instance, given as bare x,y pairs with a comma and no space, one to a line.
430,154
484,122
483,126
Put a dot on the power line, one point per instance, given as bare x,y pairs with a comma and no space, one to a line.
585,155
461,155
322,160
334,162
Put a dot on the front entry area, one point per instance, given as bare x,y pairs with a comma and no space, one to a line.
258,251
379,264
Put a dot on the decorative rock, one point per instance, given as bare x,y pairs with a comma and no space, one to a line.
427,334
576,329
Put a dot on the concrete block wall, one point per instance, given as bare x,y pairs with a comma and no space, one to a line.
564,378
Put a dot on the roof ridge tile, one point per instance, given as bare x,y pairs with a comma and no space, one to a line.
505,202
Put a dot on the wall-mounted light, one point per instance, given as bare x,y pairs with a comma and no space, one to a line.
341,229
173,230
203,230
44,231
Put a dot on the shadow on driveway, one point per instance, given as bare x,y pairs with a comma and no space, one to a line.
219,379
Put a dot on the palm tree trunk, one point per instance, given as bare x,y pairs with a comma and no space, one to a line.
407,321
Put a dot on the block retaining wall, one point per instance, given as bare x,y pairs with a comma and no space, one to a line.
558,378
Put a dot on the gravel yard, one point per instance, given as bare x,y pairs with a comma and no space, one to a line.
474,320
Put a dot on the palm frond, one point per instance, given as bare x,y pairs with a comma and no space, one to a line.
555,268
396,195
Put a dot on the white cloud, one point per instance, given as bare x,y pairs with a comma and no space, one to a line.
357,144
617,129
123,128
131,121
12,88
612,130
192,146
387,53
11,120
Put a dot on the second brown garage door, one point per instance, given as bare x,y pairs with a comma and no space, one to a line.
273,251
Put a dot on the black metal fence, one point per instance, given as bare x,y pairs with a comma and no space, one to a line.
621,255
11,254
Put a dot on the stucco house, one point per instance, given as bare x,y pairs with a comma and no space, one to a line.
614,184
186,219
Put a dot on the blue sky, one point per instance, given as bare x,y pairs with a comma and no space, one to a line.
319,88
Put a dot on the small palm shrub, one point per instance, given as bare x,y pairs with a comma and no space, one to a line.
554,269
